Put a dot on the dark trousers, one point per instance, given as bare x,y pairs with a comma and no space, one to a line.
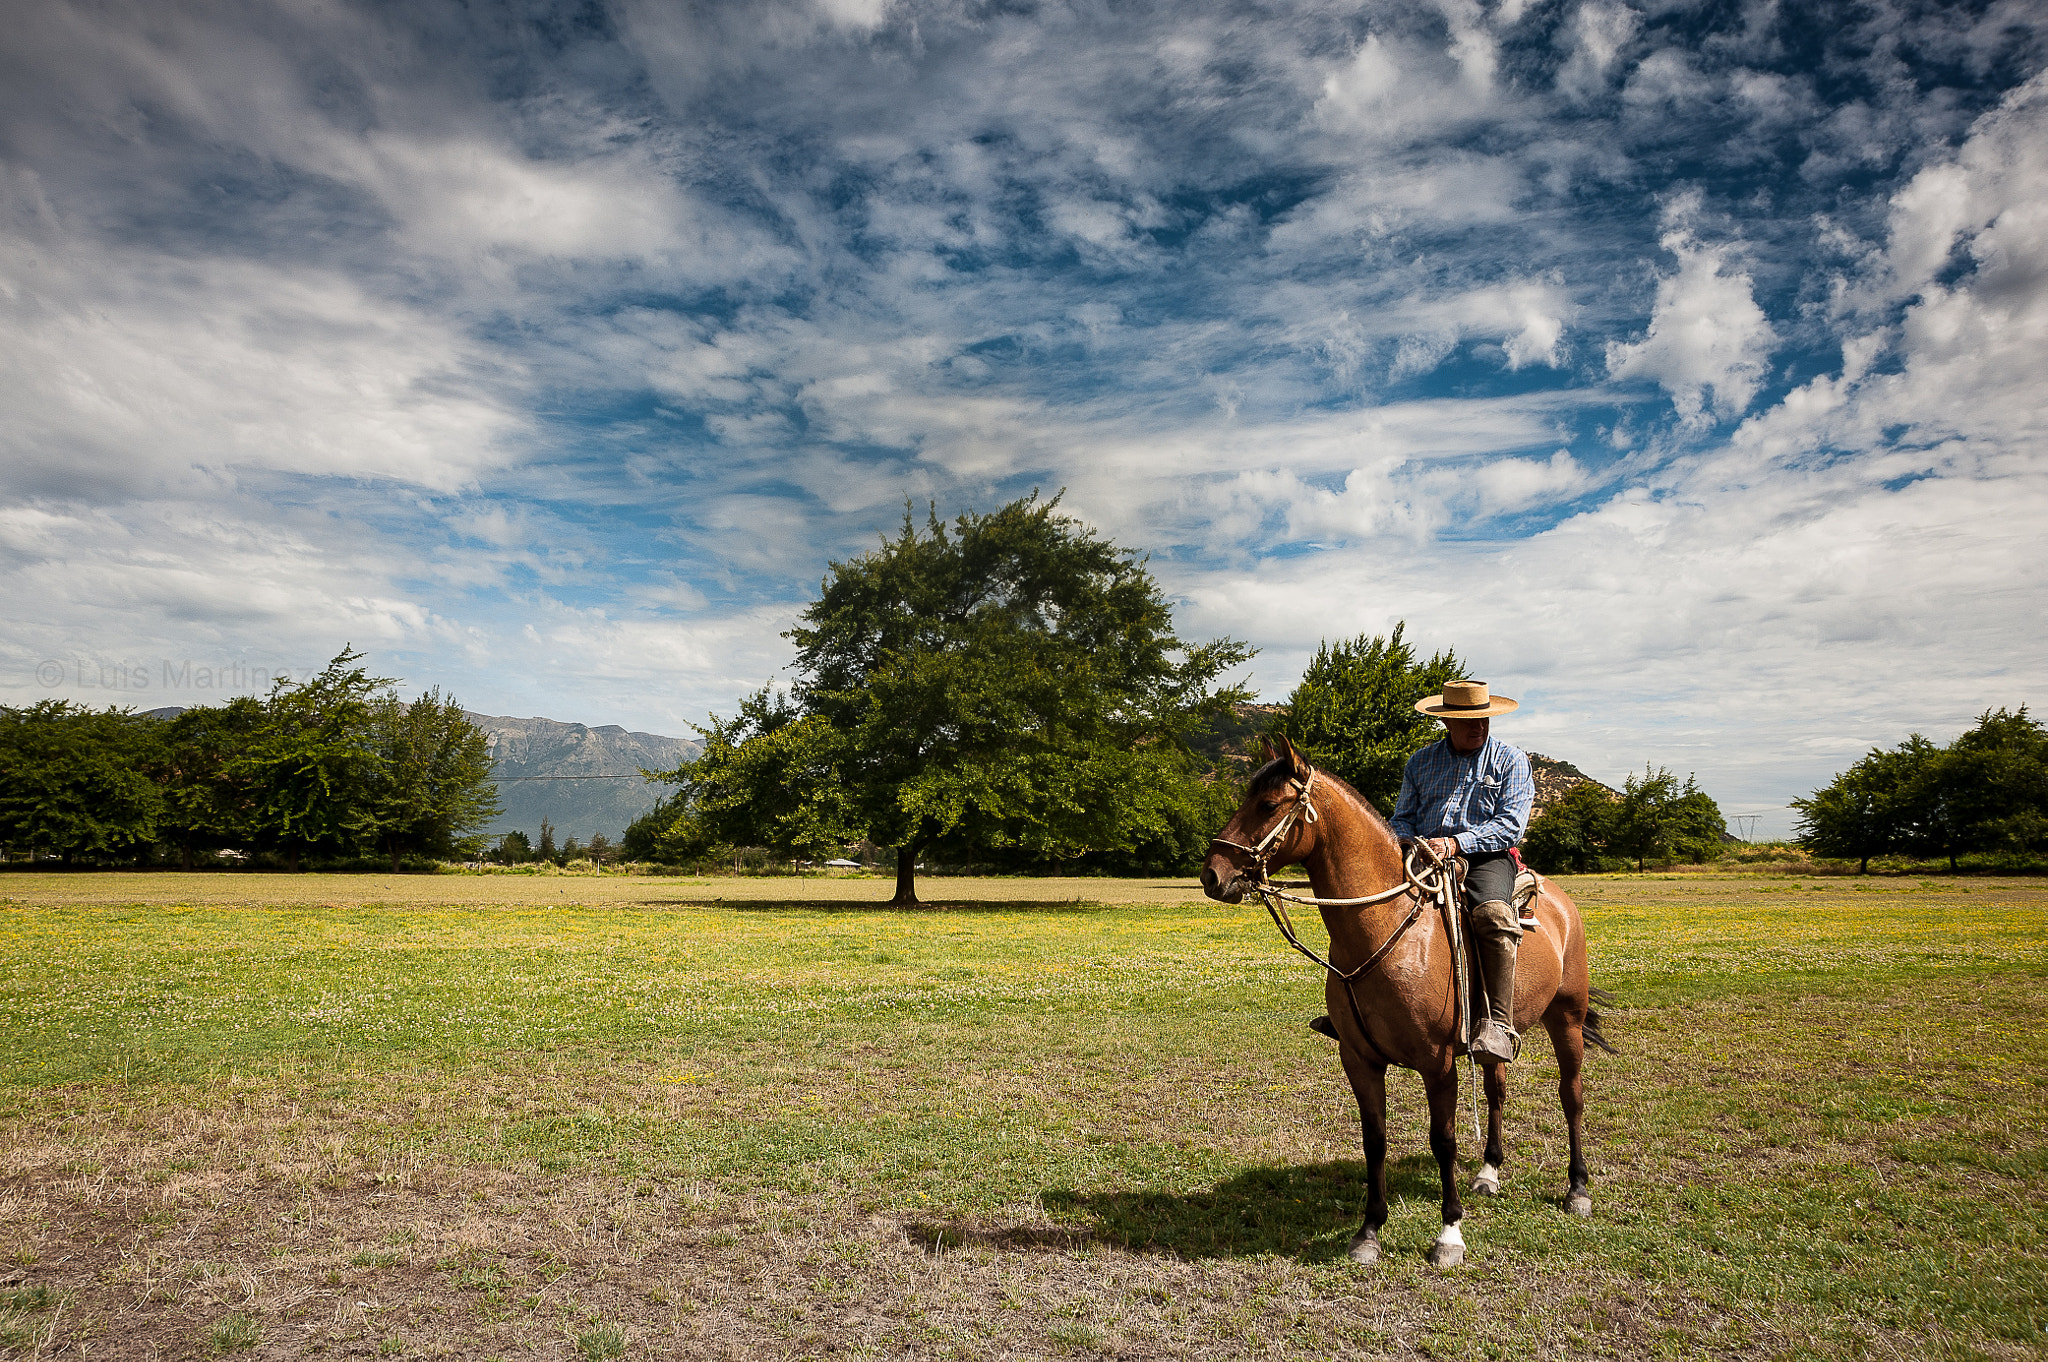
1489,875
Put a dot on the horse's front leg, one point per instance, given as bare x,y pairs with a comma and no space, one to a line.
1369,1086
1487,1183
1449,1248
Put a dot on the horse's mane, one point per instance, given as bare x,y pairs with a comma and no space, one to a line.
1278,772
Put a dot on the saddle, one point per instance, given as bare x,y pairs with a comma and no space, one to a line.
1527,885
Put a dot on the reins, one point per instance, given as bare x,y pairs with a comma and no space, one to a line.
1425,876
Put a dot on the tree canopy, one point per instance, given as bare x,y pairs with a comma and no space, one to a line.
1354,713
433,781
78,781
1985,792
1012,681
1654,818
209,795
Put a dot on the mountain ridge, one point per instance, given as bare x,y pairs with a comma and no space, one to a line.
582,779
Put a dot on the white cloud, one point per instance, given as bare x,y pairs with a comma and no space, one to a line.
1598,32
126,368
1708,343
1393,88
1871,537
459,195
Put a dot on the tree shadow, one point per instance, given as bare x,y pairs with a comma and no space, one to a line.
1304,1211
930,907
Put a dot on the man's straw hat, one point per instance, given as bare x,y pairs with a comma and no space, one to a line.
1466,700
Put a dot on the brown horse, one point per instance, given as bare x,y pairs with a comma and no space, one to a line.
1399,1005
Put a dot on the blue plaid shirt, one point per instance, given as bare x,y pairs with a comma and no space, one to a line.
1483,799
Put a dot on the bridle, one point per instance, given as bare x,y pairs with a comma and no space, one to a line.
1426,877
1303,808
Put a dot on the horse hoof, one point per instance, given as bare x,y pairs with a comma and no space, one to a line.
1449,1248
1488,1181
1365,1248
1578,1203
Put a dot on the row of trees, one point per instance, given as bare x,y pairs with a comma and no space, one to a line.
1653,819
334,765
516,848
1985,792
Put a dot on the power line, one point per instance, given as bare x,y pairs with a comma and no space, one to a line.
502,779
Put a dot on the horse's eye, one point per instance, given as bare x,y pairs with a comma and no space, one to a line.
1268,805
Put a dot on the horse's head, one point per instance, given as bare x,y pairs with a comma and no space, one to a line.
1275,825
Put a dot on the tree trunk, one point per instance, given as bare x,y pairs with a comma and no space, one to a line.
185,858
906,878
394,855
1864,867
291,861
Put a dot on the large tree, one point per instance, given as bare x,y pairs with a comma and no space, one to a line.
1659,819
1995,783
78,781
432,788
1012,681
313,767
1573,834
1986,791
1354,710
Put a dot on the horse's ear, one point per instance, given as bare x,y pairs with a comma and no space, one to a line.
1266,747
1294,759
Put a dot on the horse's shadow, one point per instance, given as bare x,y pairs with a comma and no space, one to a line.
1304,1211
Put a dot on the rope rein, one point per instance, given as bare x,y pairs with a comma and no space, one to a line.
1426,877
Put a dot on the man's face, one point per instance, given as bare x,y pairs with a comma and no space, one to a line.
1468,735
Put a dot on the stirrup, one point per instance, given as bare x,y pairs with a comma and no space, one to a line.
1498,1042
1323,1026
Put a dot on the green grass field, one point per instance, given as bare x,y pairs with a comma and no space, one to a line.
575,1117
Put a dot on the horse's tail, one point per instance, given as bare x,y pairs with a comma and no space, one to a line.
1591,1030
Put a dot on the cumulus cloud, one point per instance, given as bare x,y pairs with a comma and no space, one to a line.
1708,343
1596,36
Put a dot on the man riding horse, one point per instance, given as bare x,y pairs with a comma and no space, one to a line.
1469,795
1390,984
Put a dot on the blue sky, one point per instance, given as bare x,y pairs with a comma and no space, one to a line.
1678,365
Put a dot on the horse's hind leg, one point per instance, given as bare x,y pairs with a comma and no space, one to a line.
1568,1037
1487,1183
1369,1085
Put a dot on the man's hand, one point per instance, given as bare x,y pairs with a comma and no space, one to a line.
1444,847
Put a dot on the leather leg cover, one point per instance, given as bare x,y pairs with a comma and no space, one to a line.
1497,932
